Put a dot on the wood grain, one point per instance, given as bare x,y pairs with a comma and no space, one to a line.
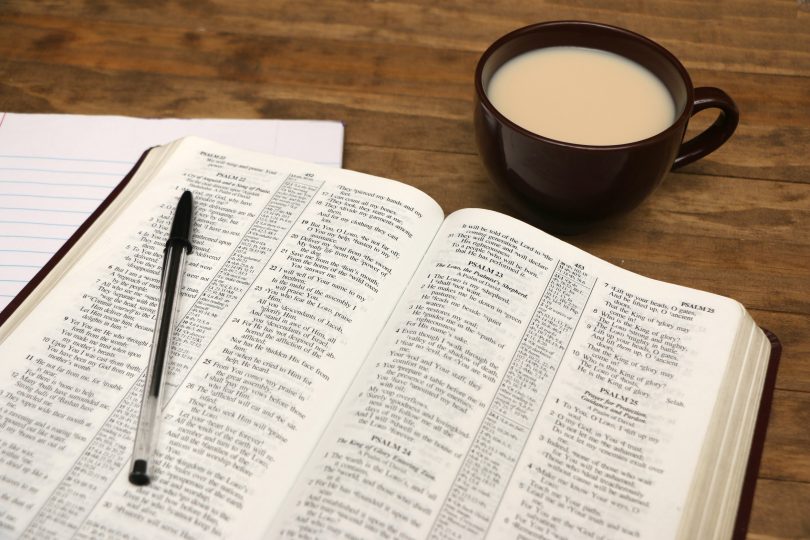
399,75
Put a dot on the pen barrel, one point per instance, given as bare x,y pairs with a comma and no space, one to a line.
149,420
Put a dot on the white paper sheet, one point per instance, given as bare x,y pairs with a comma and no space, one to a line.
56,169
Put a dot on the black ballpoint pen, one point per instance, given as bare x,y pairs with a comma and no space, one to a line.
174,261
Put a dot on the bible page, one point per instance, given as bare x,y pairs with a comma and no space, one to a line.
522,389
294,270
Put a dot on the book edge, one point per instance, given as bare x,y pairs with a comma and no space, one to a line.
758,441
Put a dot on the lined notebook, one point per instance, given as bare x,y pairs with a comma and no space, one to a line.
56,169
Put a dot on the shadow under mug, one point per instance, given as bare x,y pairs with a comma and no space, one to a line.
566,187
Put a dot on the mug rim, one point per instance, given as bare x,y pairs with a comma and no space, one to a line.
573,24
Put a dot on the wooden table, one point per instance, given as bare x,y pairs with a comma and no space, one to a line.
399,74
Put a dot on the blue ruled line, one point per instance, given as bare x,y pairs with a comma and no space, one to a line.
47,210
61,238
56,158
60,184
40,223
93,173
51,197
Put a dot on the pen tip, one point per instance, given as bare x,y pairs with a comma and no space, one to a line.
138,475
181,225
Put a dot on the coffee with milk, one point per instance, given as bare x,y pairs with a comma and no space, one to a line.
581,95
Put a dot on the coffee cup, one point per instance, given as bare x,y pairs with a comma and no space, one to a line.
575,167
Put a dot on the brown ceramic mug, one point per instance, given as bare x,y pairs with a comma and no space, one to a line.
567,187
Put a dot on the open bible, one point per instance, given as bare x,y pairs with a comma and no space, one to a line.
348,362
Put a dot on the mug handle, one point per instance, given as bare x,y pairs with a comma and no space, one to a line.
703,144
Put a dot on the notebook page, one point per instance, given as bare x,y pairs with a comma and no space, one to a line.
56,169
